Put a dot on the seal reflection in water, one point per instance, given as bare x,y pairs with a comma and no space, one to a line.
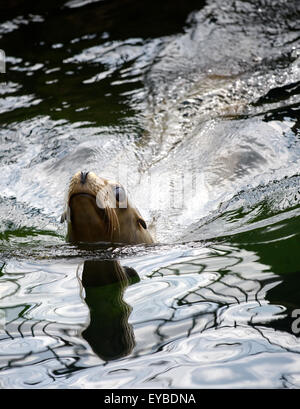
99,211
109,334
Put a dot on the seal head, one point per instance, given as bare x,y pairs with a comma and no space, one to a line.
98,210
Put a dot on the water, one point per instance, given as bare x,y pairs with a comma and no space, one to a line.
195,108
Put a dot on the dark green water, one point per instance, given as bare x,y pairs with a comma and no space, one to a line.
194,106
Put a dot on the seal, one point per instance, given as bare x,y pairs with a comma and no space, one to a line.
98,210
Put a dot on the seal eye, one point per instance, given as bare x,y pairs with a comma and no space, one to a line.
119,193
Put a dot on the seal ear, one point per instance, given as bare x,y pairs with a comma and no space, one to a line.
142,223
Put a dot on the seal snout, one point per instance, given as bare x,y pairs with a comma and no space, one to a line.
83,177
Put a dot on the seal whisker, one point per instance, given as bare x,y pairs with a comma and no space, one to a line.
113,221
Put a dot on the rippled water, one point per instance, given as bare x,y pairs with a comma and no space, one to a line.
195,108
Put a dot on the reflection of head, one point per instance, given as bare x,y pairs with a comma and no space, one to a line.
99,210
109,333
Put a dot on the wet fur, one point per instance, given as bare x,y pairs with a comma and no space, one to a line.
104,219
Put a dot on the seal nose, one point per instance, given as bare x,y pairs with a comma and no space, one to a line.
83,176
